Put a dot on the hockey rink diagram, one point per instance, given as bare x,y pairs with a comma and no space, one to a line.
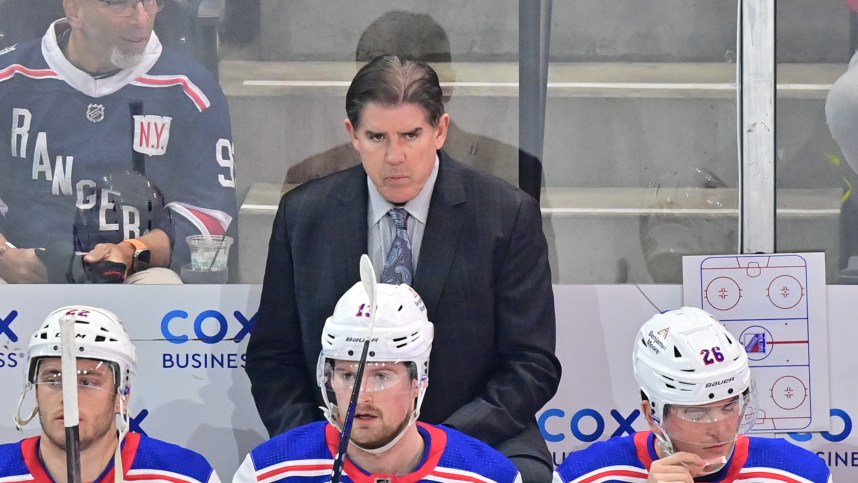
763,301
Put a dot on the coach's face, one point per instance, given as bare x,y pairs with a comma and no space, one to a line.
102,40
397,146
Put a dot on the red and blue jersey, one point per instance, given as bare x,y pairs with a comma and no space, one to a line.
305,455
759,460
143,459
62,131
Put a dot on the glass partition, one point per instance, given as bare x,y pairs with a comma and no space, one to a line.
640,156
816,114
119,144
640,145
287,93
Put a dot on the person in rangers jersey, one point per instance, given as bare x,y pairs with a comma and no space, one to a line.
387,444
106,362
699,400
95,99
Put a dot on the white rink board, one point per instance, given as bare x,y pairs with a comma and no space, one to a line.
210,409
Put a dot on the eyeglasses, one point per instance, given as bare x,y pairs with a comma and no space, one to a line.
126,8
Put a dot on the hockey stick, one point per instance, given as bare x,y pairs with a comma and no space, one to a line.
71,417
367,278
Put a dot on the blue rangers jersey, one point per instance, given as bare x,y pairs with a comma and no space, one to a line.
63,131
754,460
305,454
143,459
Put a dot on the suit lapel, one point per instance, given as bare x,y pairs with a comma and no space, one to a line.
351,202
443,230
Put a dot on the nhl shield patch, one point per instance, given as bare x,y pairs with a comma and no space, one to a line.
151,134
95,112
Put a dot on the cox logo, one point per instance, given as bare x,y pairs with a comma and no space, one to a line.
134,422
6,326
833,437
210,326
587,418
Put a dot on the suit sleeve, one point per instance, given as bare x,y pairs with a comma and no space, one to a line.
527,371
275,358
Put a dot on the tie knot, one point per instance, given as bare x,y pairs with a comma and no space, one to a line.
398,215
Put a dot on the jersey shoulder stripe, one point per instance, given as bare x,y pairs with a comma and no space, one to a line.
159,475
769,475
191,90
613,473
289,469
453,475
15,69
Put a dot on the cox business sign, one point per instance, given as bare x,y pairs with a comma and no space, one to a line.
833,446
209,327
567,431
10,357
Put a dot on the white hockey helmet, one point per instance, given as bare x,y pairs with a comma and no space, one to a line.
402,333
685,357
99,335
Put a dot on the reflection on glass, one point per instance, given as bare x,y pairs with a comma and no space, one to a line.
117,150
417,36
841,115
668,234
816,156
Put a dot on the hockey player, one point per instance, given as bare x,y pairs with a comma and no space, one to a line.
96,98
699,401
387,443
106,362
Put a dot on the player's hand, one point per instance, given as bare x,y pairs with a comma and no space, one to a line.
21,265
677,468
118,253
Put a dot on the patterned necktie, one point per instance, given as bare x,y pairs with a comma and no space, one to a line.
398,266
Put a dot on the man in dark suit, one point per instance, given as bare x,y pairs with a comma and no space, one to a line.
479,259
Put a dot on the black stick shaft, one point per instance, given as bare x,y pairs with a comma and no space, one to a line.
367,278
73,454
71,416
350,417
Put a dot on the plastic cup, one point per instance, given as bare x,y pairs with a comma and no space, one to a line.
189,275
209,253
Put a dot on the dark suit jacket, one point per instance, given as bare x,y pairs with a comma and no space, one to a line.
484,276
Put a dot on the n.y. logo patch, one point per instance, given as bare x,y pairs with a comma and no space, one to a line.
151,134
